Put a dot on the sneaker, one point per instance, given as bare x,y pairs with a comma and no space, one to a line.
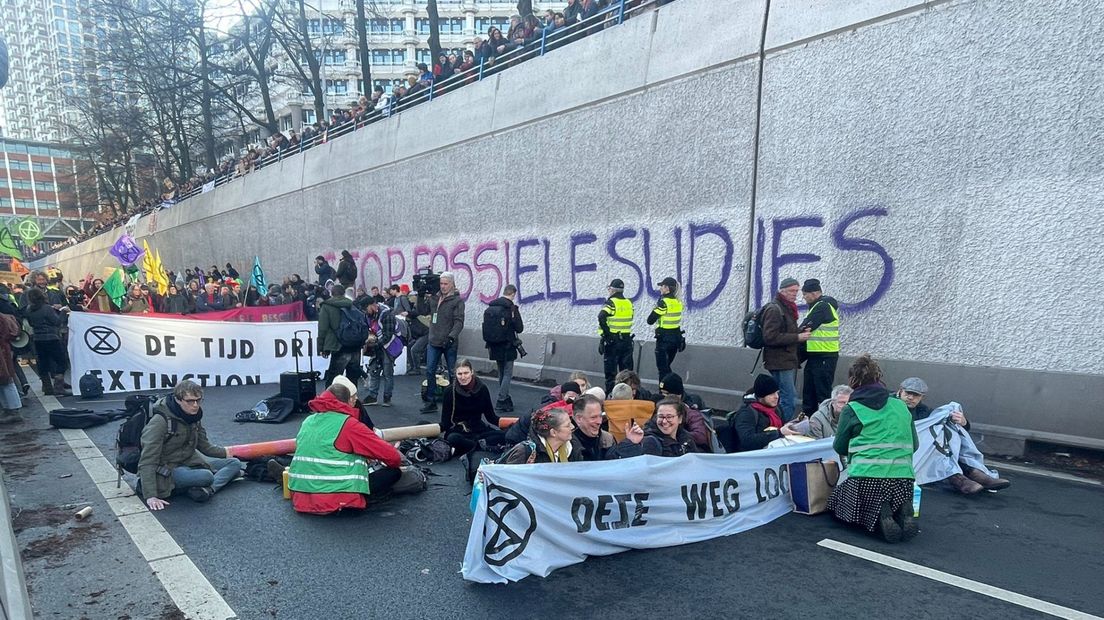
430,407
200,494
904,518
26,388
371,400
386,401
887,527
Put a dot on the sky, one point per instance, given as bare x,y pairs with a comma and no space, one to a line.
222,14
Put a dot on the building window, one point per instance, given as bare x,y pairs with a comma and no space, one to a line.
45,187
337,87
421,25
285,123
379,26
333,57
41,167
20,184
424,56
398,57
308,116
483,24
15,164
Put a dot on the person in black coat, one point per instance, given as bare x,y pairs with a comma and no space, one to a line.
324,270
346,269
758,422
47,321
467,416
503,311
664,434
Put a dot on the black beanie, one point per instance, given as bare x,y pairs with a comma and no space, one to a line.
812,285
672,384
570,386
765,385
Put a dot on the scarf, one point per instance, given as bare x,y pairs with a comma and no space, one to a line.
174,407
775,419
560,456
789,305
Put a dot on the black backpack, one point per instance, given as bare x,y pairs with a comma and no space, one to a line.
352,330
753,328
497,325
128,441
91,386
82,418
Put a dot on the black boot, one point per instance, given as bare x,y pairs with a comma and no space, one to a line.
47,387
887,527
904,518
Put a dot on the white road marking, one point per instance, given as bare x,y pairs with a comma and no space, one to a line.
196,597
958,582
1020,469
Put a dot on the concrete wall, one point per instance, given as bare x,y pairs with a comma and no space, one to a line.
935,164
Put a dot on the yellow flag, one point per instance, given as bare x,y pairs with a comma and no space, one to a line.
149,264
162,276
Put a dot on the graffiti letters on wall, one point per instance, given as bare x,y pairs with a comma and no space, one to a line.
573,268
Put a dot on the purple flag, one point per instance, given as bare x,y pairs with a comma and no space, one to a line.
126,251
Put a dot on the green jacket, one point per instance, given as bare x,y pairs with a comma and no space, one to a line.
329,317
168,442
850,426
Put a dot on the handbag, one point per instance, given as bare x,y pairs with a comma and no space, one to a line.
811,483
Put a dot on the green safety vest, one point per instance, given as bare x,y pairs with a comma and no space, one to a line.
825,339
620,321
884,447
319,467
670,313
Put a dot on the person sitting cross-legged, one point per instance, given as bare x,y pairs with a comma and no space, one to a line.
338,460
176,455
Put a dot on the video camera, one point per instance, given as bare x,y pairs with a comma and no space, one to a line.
426,282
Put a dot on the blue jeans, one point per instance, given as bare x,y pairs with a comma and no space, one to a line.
433,358
225,471
9,396
383,366
505,375
787,392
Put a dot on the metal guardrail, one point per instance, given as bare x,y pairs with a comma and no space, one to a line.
612,15
16,603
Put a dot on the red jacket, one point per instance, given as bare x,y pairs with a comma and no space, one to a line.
354,438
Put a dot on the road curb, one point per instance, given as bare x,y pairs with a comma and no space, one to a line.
17,602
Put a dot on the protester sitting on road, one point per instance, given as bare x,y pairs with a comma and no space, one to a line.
569,391
230,297
664,434
632,379
46,321
176,455
344,359
824,421
577,377
597,444
621,391
551,441
912,392
966,470
468,419
694,421
338,460
878,438
759,422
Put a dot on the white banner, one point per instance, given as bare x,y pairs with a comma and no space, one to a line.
131,352
533,519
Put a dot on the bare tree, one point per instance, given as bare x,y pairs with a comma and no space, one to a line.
363,53
244,61
434,32
525,8
291,30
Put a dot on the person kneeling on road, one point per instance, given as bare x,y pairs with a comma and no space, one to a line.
597,444
467,403
878,438
551,440
966,471
176,454
337,458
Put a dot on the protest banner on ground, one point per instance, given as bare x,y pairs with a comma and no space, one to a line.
139,352
533,519
251,314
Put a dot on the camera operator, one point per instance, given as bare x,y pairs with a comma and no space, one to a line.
446,312
501,325
74,298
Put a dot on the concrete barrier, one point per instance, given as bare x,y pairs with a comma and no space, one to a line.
933,163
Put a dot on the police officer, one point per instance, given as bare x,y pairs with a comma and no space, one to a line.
615,321
668,315
822,348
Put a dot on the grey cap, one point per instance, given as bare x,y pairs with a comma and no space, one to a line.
914,384
788,282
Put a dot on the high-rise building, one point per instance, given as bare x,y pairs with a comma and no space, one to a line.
49,43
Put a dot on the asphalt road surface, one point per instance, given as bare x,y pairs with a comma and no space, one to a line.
1041,538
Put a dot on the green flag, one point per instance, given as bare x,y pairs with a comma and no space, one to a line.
7,244
115,287
28,230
